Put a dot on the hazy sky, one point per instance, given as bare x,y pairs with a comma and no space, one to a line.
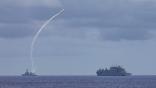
90,34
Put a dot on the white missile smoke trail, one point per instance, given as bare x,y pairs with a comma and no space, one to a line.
36,36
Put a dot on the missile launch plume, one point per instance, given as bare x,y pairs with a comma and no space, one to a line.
37,35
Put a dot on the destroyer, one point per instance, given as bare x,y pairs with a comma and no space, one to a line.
27,73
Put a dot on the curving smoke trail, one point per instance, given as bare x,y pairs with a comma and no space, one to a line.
36,36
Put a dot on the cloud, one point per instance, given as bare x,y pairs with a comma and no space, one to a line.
31,3
115,20
21,18
16,30
125,34
106,20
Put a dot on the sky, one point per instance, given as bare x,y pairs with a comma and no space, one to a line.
89,35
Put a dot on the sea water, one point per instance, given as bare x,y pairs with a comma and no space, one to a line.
77,82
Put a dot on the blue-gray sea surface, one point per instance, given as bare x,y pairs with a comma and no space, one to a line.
77,82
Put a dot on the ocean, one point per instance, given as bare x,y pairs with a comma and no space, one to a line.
77,82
